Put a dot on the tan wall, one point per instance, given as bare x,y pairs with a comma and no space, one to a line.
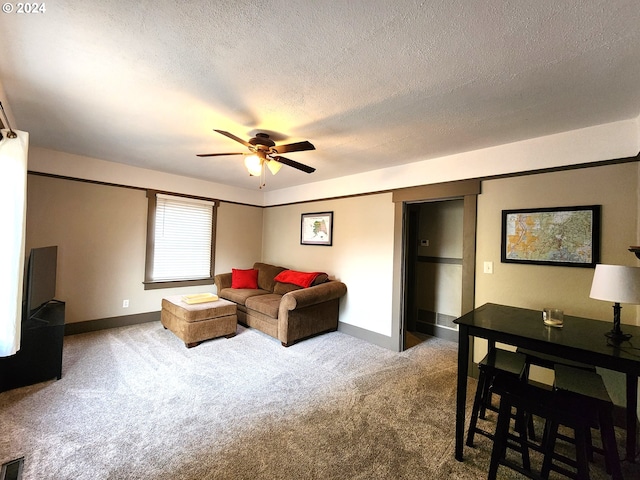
101,236
439,288
238,236
441,224
615,187
439,285
361,255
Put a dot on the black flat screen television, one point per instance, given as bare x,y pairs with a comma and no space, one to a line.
40,278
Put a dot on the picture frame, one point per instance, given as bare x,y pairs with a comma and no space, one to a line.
558,236
316,229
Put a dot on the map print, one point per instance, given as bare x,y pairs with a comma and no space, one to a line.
550,236
320,229
316,229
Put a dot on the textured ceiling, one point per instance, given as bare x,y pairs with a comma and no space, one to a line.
371,83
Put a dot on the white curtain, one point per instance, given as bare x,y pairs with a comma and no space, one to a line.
13,198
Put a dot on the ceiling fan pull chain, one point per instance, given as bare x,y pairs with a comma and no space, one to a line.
263,175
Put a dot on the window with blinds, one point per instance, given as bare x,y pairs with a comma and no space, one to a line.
181,247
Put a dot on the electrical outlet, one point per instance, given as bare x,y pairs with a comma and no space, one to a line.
125,304
488,267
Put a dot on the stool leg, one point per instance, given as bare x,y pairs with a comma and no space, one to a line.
532,430
590,445
582,449
521,428
486,395
549,442
482,379
545,434
582,455
611,456
500,438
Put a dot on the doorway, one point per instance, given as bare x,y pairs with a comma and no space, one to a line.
433,266
406,300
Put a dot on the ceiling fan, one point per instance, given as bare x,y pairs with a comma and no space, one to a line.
264,151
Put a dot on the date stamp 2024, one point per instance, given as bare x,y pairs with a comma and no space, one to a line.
24,8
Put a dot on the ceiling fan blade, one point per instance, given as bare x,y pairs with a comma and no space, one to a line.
294,164
233,137
218,154
294,147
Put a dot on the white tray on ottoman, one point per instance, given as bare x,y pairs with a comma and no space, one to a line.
200,321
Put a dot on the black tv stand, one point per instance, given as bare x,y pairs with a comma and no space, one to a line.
40,355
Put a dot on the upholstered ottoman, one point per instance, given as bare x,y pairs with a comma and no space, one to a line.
198,322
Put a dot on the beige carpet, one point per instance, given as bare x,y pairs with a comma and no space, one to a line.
134,403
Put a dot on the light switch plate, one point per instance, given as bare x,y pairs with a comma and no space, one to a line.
488,267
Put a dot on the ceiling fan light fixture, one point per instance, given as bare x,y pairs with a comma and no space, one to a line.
274,166
254,165
264,151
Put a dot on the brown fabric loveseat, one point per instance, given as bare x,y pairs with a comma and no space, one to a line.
285,311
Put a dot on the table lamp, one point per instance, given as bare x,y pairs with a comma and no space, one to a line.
618,284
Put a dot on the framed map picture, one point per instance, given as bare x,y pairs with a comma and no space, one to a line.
561,236
316,229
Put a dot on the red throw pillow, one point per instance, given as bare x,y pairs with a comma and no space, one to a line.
244,278
302,279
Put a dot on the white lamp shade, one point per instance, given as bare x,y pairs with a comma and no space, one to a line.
616,283
274,167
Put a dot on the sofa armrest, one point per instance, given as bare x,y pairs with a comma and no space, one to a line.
313,295
222,280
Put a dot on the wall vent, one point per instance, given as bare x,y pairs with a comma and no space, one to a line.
433,318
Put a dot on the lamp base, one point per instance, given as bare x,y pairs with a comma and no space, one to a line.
616,333
618,336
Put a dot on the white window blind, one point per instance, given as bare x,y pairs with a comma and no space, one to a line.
183,236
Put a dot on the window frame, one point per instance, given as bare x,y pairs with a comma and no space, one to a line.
149,283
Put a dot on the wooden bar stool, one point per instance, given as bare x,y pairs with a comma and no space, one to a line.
550,405
518,394
547,361
496,363
550,361
585,393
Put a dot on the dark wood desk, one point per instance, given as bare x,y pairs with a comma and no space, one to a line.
580,339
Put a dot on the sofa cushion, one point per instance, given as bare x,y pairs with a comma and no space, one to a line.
282,288
244,278
302,279
321,278
266,275
266,304
240,295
